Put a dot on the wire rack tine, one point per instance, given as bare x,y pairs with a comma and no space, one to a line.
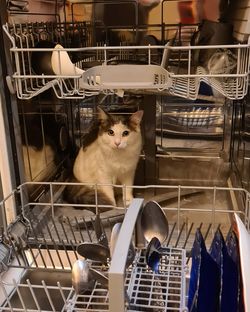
78,227
48,295
171,234
33,295
71,229
32,254
56,230
61,292
48,229
179,235
64,232
6,295
58,254
19,294
188,235
87,229
67,255
41,254
74,249
49,253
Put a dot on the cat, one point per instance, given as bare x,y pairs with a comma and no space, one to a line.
109,155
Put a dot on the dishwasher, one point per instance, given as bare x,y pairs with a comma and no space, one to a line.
186,65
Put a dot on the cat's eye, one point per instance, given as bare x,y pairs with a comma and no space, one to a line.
125,133
110,132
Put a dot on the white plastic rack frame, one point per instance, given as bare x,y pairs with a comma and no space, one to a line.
173,73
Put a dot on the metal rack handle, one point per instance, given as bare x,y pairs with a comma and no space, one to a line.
118,263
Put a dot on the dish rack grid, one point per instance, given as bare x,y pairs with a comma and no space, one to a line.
162,291
24,251
107,69
146,290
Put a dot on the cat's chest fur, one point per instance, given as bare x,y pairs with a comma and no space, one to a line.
99,163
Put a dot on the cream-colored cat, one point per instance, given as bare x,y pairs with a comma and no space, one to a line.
109,155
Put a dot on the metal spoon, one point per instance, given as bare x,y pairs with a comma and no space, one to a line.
114,235
153,255
94,251
84,277
80,277
154,222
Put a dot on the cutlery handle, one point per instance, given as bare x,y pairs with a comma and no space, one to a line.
100,232
117,269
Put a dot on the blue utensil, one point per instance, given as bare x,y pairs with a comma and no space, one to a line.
153,255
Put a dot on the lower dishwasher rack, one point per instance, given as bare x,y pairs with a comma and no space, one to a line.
36,268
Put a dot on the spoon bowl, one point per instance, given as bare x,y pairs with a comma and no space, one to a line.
94,251
81,276
154,222
153,255
84,277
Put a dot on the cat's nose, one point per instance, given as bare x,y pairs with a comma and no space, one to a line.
117,143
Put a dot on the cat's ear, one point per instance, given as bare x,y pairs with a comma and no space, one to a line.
136,117
101,114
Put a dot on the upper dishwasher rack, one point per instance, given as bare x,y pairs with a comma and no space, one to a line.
114,69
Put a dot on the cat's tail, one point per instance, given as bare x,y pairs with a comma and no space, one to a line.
82,194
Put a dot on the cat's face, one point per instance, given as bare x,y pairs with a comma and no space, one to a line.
119,131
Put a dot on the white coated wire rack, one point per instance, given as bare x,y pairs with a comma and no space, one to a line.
147,290
117,69
161,291
38,252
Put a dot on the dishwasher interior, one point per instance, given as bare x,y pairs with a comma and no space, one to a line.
121,55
